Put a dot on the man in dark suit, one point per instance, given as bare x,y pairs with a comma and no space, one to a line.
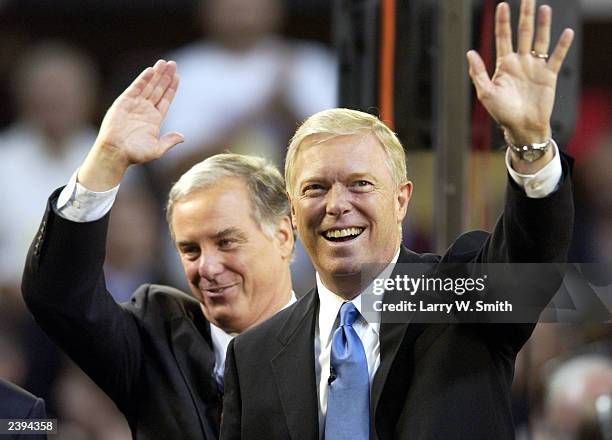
17,403
328,372
161,356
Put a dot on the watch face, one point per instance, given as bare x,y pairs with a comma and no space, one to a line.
532,155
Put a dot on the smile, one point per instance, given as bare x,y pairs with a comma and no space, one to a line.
344,234
217,291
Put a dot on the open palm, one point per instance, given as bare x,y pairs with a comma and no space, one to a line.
132,124
520,96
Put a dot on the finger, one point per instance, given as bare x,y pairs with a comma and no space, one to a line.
169,140
560,52
542,40
525,26
164,82
168,96
158,71
503,30
139,83
479,75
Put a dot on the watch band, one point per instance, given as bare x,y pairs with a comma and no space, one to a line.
529,152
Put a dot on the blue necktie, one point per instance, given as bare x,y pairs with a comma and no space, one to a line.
348,401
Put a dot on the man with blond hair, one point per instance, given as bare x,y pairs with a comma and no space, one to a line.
161,356
327,371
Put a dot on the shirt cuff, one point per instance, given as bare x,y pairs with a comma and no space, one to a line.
79,204
544,182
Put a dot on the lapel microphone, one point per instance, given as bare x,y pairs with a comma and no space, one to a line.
332,375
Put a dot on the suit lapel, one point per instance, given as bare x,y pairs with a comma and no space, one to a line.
391,337
195,358
293,368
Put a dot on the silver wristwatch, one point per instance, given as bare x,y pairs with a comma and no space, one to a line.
530,152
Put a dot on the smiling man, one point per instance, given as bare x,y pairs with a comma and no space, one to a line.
328,372
349,194
161,356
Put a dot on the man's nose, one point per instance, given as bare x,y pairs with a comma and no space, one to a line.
338,200
210,265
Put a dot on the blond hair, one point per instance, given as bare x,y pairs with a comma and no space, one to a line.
342,122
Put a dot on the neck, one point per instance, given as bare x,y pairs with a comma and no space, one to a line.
346,287
282,295
349,286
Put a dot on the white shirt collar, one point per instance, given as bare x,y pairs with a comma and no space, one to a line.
330,304
221,339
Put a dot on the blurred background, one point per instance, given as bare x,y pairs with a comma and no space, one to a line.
251,70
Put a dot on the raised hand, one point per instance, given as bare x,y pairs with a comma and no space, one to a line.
520,96
129,133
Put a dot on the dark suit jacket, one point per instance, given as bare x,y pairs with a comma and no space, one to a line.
153,356
17,403
435,381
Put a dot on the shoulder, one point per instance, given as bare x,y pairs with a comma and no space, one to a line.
161,301
466,246
280,326
16,402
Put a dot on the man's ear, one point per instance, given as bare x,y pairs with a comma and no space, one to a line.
403,199
293,219
284,237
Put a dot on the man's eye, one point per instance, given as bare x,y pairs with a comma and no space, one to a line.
226,243
191,253
312,189
362,185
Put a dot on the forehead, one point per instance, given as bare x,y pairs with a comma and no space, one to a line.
319,157
205,212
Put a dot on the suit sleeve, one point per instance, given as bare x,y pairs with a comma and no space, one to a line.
537,231
231,416
534,230
63,286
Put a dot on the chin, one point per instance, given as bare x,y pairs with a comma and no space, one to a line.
226,323
221,316
347,269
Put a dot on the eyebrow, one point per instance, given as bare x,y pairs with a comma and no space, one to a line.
351,176
218,235
229,231
361,176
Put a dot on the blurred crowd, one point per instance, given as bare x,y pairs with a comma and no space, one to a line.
244,88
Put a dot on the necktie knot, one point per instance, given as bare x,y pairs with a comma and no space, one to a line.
348,314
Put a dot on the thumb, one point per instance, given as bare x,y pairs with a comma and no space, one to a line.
478,73
169,140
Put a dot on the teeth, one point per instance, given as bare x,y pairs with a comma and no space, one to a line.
340,233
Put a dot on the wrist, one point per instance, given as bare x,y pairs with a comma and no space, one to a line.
103,168
527,136
530,168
